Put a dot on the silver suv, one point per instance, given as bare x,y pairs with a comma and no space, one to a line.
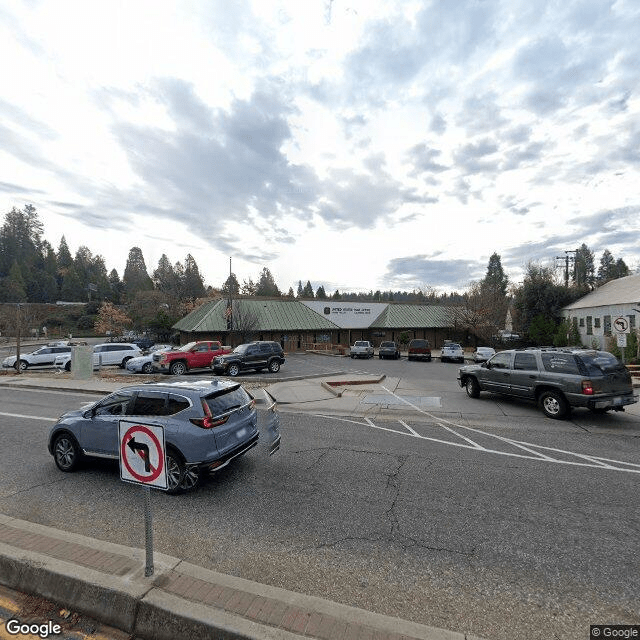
556,379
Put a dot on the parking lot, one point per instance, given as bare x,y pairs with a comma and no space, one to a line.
409,499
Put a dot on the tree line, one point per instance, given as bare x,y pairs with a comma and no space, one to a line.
32,271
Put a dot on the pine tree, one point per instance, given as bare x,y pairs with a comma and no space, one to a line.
192,286
267,285
135,276
307,292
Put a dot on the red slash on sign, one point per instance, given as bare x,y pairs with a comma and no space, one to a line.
130,446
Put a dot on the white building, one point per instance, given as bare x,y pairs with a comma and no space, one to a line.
598,309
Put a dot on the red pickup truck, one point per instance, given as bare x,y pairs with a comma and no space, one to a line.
195,355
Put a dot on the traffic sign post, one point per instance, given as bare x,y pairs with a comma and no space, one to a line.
621,327
142,461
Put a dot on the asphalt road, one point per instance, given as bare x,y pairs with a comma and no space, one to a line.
468,523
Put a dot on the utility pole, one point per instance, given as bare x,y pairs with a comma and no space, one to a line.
18,323
566,259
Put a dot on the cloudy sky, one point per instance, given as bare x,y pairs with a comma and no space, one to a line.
359,144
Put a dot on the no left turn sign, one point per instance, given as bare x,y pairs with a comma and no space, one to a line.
621,325
142,454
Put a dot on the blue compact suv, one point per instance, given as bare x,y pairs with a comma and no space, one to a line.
207,424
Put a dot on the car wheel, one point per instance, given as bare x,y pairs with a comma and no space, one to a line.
274,366
554,405
22,365
67,366
178,368
175,471
66,452
191,478
147,367
233,370
472,387
351,356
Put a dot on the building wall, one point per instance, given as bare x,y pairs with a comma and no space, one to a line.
594,324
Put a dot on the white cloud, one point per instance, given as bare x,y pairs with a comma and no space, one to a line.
341,145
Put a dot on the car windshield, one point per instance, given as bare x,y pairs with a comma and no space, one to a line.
187,347
360,343
241,348
388,344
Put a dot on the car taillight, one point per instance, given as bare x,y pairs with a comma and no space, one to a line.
208,422
587,388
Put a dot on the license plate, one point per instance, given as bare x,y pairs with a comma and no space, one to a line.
240,433
617,401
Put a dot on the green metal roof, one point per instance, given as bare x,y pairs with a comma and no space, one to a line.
270,315
414,316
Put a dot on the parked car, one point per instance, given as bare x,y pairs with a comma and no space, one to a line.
452,352
207,424
556,379
482,354
419,350
42,357
361,349
143,343
194,355
388,350
144,364
258,355
111,353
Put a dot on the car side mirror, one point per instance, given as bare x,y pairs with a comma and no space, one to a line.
486,365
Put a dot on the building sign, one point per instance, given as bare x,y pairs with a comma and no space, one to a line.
347,315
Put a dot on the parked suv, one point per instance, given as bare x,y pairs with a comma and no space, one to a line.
419,350
556,379
388,350
258,355
110,353
43,357
206,425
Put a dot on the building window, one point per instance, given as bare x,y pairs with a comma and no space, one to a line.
596,323
582,322
632,321
607,325
589,326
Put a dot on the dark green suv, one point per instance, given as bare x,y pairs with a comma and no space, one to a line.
556,379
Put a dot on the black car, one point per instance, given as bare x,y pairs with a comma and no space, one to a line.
256,356
388,350
143,343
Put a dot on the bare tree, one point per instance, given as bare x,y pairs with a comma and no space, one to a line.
243,319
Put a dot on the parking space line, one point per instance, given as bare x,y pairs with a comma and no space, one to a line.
475,444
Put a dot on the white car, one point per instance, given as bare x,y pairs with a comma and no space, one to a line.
112,353
482,354
43,357
144,364
453,352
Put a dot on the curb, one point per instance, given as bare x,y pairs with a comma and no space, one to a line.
106,581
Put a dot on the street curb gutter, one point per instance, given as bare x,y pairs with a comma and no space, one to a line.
106,581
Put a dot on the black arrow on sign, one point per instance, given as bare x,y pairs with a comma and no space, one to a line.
142,450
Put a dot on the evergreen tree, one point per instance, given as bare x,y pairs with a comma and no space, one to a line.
116,287
135,277
12,286
231,286
267,285
248,288
192,286
336,295
290,294
320,293
164,277
622,269
299,293
495,280
584,268
607,267
307,292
